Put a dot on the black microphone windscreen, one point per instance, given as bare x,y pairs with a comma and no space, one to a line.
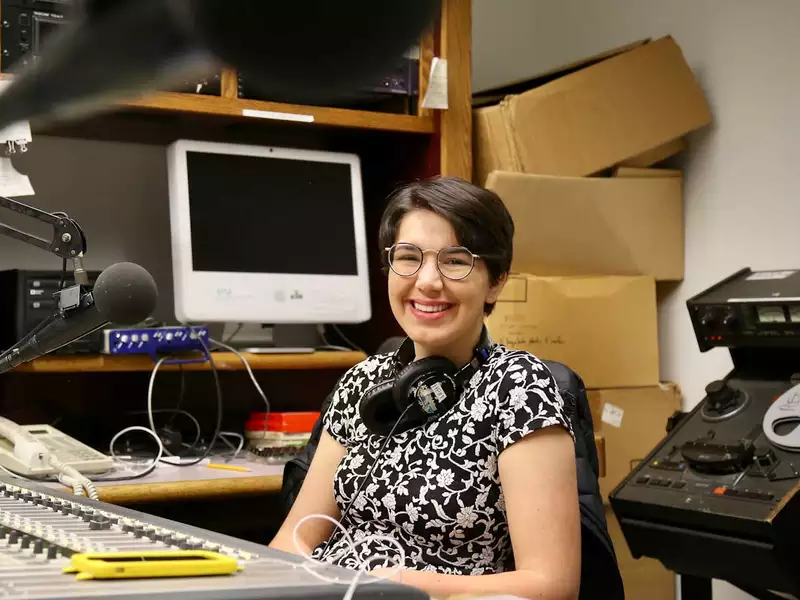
125,294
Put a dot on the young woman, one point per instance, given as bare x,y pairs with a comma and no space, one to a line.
483,498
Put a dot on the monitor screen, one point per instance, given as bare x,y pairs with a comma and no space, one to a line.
264,234
259,214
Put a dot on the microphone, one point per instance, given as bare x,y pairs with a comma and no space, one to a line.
304,52
124,294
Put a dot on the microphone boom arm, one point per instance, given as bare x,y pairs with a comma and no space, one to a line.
68,243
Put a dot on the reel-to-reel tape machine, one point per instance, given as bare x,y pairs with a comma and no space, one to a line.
718,498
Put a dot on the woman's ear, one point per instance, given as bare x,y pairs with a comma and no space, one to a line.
494,290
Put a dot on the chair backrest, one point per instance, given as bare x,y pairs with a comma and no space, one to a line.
600,576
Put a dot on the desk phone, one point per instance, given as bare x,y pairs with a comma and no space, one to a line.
25,449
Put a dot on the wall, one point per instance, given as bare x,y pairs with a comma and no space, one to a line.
741,202
116,191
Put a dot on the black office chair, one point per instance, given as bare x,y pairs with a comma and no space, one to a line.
600,575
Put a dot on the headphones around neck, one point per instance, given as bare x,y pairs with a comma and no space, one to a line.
427,387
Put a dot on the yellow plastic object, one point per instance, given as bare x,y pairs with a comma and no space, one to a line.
131,565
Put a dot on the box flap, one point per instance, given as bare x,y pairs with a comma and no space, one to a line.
494,146
598,117
646,172
496,94
656,155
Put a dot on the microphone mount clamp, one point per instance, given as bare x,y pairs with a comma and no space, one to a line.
68,241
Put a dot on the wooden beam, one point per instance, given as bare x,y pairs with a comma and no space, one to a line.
230,84
455,45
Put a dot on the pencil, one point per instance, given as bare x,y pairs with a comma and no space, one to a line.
227,467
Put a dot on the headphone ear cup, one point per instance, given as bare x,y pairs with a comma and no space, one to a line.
429,383
377,408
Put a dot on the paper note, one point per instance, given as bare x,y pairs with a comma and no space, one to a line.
16,132
436,94
612,415
12,182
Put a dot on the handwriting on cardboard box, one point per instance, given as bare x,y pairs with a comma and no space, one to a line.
517,340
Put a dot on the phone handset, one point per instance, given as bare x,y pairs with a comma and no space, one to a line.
27,449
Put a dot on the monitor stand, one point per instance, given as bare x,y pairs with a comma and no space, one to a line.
257,338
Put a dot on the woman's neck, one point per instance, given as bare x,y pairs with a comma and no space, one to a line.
459,352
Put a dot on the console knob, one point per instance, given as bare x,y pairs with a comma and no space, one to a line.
708,319
729,320
720,394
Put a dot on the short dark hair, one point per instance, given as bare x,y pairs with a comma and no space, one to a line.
478,216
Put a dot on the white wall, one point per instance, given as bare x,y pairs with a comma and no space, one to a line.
742,203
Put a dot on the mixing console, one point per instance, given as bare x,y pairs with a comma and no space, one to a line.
42,529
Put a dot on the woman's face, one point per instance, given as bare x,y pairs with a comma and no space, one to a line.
443,317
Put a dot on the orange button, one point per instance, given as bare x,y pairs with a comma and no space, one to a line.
719,491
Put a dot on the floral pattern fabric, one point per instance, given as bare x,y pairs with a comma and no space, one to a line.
436,488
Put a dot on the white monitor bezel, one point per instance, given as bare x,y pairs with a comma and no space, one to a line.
274,298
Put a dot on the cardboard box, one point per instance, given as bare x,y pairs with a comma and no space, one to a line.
643,578
631,422
645,172
656,155
594,225
592,115
603,328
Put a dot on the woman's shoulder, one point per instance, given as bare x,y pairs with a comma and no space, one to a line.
366,373
508,370
503,360
526,392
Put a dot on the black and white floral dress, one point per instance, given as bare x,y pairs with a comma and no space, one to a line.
436,488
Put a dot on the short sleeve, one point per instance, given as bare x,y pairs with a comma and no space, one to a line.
342,419
528,399
333,421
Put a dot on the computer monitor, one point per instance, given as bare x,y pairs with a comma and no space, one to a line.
267,235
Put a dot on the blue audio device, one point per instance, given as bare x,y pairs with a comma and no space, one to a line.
156,342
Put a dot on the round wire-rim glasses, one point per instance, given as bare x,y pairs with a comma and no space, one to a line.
453,262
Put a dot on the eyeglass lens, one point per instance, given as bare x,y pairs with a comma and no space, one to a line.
453,262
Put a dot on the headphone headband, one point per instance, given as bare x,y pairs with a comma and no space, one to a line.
405,353
418,391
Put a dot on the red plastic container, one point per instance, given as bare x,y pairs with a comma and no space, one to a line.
285,422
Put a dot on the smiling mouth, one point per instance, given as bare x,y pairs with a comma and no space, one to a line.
431,308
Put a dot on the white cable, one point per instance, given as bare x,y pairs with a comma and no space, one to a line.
186,414
351,547
68,481
151,411
14,475
236,449
77,476
150,397
153,464
249,372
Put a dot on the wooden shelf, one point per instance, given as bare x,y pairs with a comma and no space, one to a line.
256,110
181,104
224,361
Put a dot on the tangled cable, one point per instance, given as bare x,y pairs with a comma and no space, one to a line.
313,564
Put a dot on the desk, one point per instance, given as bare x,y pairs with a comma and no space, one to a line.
242,504
169,483
199,482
